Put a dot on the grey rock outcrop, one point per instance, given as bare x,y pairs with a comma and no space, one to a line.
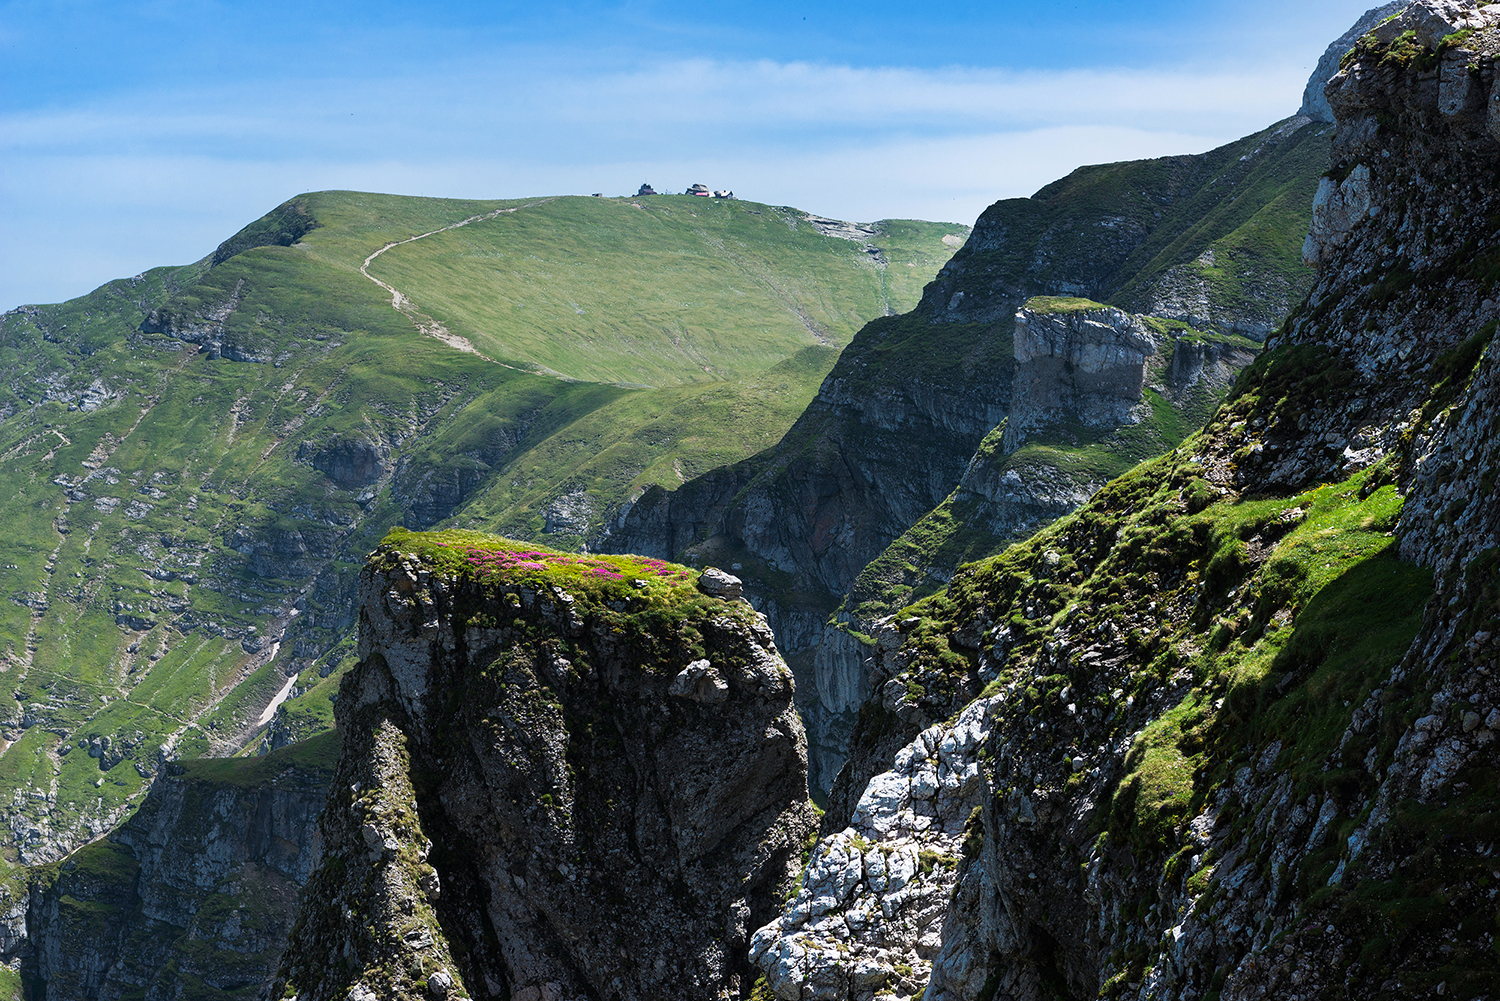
1092,366
1089,364
718,584
569,513
1314,102
207,327
867,919
1338,208
350,461
544,795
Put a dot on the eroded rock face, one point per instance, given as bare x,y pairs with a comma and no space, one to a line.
1090,364
351,462
541,799
868,917
1314,103
199,886
1276,872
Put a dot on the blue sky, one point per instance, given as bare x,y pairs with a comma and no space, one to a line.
139,134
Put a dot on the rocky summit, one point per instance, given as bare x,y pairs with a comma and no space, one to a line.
563,778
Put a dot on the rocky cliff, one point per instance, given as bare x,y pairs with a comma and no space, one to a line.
193,896
563,777
1314,101
1095,390
1236,716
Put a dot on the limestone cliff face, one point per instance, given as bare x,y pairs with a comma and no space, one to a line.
1242,707
193,896
1089,364
551,793
868,917
1314,101
1085,373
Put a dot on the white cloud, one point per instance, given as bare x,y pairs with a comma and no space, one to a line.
107,189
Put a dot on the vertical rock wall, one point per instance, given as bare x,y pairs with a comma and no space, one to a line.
194,895
545,796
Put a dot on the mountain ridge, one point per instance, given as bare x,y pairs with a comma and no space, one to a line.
903,414
1146,751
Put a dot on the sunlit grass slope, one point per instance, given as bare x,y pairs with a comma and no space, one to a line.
158,528
180,538
641,291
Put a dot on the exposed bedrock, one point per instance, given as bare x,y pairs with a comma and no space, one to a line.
544,798
196,892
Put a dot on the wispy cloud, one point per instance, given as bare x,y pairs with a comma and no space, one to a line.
470,107
110,187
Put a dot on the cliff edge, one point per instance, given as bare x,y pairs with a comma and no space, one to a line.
563,777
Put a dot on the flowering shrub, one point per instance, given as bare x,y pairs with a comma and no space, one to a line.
491,559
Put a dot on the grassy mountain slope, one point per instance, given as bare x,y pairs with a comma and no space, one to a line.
1113,233
197,458
162,529
1142,234
642,291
